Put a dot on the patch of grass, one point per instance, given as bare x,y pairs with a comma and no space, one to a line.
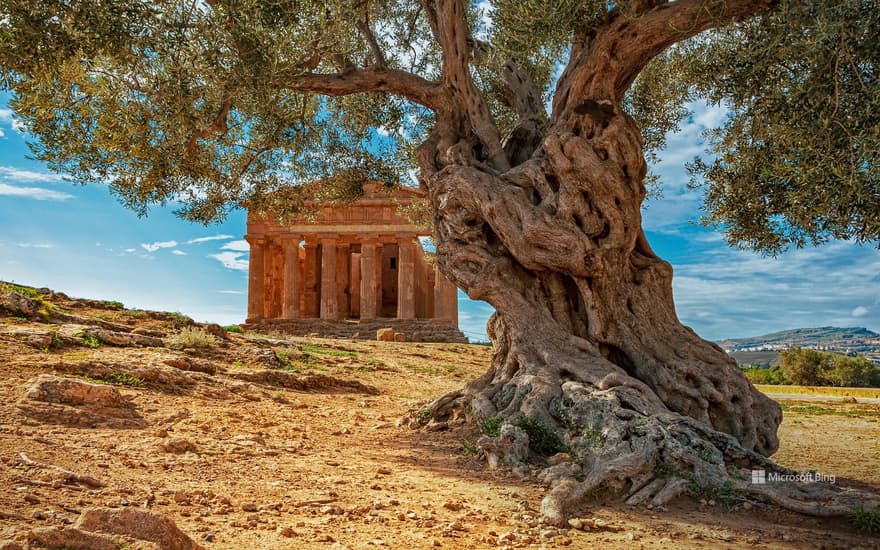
124,379
320,350
191,337
113,304
542,439
469,448
25,291
865,520
847,410
491,426
820,390
424,415
91,341
423,370
726,493
77,356
18,319
234,328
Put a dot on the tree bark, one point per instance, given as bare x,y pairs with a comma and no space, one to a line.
590,356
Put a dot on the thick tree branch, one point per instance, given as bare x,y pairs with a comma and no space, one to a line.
453,36
371,79
378,57
619,50
218,126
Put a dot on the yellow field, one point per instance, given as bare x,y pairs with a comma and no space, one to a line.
820,390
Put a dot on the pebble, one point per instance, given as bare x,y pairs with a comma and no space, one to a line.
384,470
249,507
209,537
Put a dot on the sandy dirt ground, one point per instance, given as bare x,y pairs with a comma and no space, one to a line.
279,448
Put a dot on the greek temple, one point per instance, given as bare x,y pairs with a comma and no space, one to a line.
348,271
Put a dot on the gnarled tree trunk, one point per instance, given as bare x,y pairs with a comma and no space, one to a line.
589,353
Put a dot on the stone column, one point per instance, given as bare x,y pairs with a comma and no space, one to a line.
292,283
368,280
270,256
310,307
445,298
329,309
354,284
256,278
343,297
406,300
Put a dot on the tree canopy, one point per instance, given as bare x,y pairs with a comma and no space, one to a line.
222,103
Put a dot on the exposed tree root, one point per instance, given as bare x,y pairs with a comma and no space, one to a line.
624,444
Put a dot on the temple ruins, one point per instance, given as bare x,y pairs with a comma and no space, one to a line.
352,269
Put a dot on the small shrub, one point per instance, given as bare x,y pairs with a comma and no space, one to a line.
865,520
542,439
191,337
234,328
91,341
124,379
491,426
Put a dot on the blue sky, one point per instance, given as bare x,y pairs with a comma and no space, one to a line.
81,241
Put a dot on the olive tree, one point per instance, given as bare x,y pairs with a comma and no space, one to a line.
530,125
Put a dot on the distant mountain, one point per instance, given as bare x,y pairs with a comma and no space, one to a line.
765,349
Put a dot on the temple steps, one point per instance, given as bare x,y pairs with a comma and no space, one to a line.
416,330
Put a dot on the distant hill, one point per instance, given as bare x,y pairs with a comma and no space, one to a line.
765,349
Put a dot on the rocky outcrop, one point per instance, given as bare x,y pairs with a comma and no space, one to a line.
102,529
56,400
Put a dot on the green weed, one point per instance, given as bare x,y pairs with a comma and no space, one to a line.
491,426
542,439
865,520
124,379
91,341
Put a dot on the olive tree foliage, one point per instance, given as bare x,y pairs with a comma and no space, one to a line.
529,126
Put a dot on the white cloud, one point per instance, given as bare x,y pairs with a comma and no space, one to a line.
152,247
18,175
212,238
238,246
860,311
383,131
2,134
230,292
35,245
37,193
8,117
178,252
131,250
231,260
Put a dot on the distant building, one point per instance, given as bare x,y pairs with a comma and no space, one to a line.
355,268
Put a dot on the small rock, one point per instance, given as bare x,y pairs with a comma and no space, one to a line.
747,505
384,470
549,533
576,523
385,335
451,505
248,507
288,532
209,537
